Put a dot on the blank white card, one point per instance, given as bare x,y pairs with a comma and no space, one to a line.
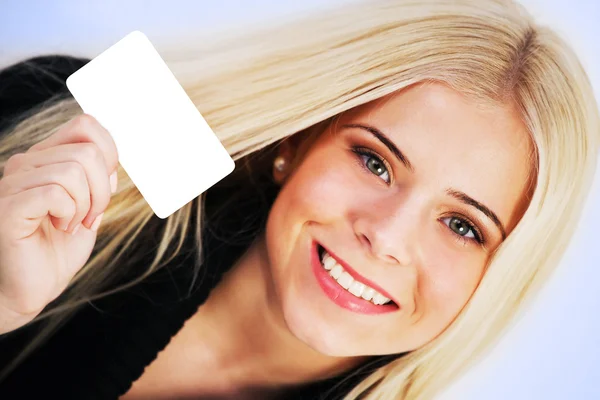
164,144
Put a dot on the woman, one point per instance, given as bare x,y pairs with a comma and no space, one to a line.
408,175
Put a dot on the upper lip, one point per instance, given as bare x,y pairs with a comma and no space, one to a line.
358,277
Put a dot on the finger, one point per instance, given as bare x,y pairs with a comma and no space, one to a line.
91,159
69,175
81,129
28,208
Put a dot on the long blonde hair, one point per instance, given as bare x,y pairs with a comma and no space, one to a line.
255,90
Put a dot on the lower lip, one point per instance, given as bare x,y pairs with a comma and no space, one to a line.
341,296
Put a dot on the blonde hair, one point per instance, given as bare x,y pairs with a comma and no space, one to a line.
255,90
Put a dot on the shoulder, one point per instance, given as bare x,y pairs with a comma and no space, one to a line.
31,82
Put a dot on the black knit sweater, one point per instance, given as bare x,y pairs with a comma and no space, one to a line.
106,345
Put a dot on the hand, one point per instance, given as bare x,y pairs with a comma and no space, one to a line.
52,199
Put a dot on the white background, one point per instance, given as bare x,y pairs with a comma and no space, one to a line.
554,352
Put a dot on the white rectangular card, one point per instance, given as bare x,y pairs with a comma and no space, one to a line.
164,144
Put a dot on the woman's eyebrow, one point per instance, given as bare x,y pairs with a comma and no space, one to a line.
464,198
460,196
387,142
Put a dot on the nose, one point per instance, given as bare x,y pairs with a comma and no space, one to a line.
388,231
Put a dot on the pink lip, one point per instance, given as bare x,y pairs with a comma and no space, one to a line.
359,277
342,297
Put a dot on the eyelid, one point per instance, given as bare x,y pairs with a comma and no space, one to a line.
374,143
475,227
361,149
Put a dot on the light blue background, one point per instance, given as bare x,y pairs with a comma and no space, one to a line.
554,352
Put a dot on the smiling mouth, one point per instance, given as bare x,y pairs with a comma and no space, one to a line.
346,279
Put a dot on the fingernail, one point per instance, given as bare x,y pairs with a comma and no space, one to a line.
96,223
76,229
113,182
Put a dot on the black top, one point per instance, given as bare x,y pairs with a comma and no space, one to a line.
105,346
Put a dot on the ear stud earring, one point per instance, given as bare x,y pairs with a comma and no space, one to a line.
280,163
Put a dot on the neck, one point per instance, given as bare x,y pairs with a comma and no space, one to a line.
250,344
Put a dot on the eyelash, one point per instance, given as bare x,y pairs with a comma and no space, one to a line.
361,152
478,239
364,152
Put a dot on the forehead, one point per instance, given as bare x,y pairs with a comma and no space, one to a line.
455,142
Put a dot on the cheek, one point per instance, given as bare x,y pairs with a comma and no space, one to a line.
313,194
319,191
448,279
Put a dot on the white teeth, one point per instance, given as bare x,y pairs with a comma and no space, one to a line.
368,293
328,262
336,271
345,280
380,299
356,288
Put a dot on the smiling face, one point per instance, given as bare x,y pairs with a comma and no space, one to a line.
413,192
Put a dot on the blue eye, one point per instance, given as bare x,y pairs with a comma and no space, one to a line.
373,163
464,229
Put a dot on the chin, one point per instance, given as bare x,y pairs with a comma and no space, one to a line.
316,331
